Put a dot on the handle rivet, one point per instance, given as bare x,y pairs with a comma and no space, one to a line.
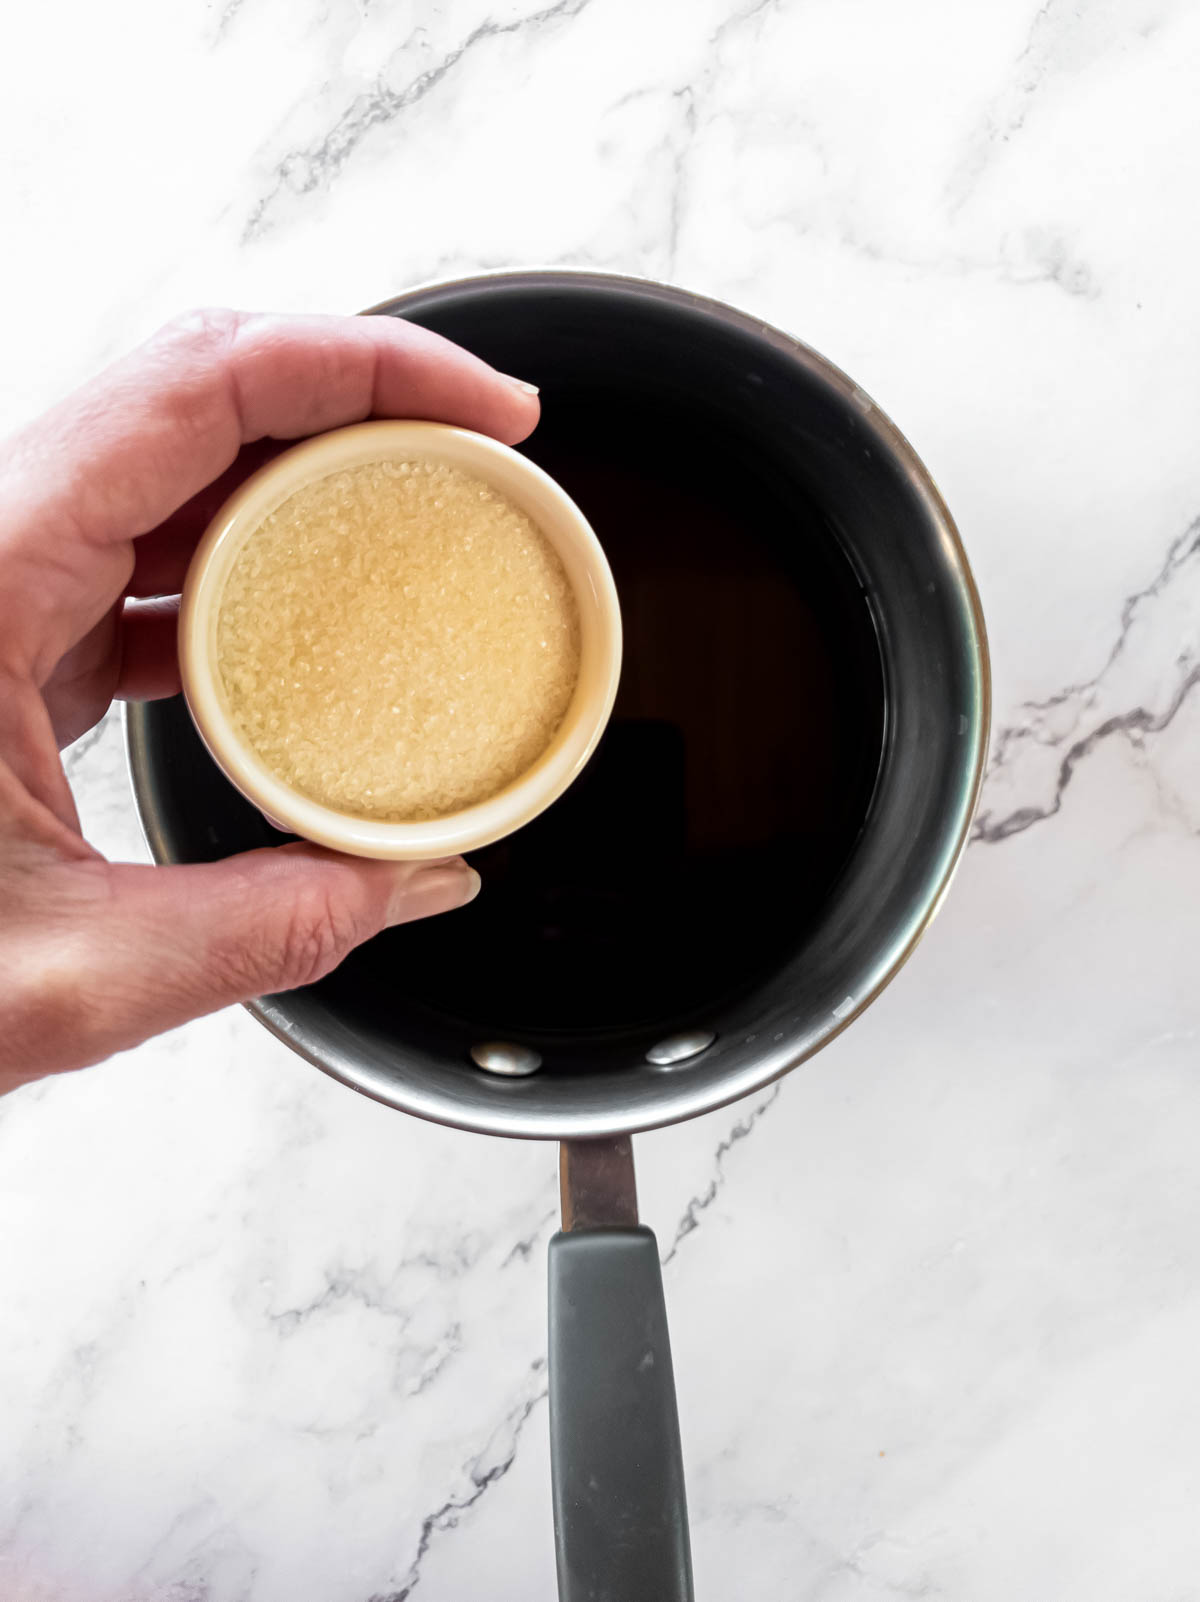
675,1049
503,1057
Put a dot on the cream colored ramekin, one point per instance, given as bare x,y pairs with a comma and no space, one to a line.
529,488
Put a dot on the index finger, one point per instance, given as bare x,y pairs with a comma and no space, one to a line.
116,458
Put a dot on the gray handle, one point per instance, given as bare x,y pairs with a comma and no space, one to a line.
620,1511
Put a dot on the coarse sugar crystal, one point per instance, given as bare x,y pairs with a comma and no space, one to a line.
398,641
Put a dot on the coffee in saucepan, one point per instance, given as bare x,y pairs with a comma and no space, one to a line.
733,780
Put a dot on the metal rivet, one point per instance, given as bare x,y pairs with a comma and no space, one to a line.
502,1057
680,1048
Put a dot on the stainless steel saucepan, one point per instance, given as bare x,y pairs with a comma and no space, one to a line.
766,831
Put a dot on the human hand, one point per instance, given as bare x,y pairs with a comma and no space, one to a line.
101,503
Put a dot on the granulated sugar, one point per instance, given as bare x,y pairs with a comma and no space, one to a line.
398,641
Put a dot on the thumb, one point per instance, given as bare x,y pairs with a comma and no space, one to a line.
170,943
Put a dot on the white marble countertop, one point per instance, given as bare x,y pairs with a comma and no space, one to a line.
936,1301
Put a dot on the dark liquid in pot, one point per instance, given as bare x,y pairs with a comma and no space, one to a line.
735,776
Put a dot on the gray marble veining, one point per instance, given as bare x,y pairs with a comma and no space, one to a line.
935,1299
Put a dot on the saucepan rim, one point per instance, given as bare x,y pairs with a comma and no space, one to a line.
685,1097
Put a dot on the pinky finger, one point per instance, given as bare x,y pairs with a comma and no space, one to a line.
149,654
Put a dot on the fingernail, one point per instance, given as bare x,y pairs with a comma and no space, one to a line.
522,384
473,886
440,887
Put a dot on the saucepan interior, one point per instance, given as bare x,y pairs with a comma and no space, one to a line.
789,776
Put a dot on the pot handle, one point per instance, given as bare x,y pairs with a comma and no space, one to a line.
620,1510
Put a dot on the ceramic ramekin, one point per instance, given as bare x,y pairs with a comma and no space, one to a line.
529,488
